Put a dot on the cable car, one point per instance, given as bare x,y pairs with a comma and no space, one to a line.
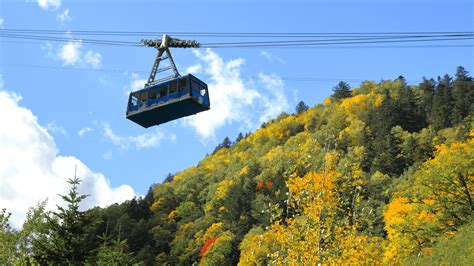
169,98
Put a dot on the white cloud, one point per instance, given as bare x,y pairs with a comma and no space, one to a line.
49,4
53,128
270,57
230,97
84,131
1,23
147,140
136,83
31,169
275,102
93,59
195,69
234,100
64,17
71,54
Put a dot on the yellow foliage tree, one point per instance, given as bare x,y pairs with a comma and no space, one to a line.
435,201
256,246
313,233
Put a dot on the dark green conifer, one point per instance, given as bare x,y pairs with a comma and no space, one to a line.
342,90
301,107
463,96
239,137
65,239
442,104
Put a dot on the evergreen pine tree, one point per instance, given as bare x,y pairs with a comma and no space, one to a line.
462,74
301,107
65,239
239,137
408,115
427,89
169,178
383,148
463,95
112,251
226,143
403,81
342,90
442,104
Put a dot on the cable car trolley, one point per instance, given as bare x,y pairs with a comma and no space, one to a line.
171,97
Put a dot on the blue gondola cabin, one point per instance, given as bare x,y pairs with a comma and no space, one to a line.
166,101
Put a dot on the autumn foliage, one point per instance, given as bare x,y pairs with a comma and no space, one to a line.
266,184
207,245
377,174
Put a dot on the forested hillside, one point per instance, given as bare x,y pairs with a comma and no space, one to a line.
375,174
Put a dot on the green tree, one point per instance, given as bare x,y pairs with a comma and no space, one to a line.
8,238
463,96
442,104
239,137
341,91
226,143
169,178
403,81
434,200
65,239
34,225
426,91
112,251
384,148
408,115
301,107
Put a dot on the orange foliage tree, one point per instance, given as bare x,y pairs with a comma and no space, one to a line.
207,244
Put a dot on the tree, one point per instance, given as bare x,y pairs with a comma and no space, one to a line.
442,104
427,89
341,91
8,238
403,81
409,116
301,107
436,199
462,74
226,143
65,240
314,234
35,224
384,145
112,251
169,178
239,137
463,96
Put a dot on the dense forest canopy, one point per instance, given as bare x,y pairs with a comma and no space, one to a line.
375,174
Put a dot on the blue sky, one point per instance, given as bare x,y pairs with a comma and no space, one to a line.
78,92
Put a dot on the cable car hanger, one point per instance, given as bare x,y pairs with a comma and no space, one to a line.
162,46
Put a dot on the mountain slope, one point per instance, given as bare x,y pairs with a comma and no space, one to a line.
375,174
373,137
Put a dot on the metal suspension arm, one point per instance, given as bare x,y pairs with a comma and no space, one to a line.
162,46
